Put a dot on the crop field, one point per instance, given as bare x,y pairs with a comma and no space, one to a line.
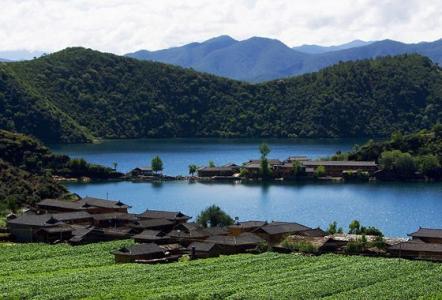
35,271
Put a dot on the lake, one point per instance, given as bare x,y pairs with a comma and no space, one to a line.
395,208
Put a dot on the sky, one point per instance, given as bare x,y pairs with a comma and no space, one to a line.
122,26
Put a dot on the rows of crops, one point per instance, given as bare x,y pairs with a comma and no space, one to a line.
65,272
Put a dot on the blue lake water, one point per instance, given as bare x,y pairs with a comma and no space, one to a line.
396,208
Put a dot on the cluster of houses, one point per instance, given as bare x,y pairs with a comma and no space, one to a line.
284,169
163,236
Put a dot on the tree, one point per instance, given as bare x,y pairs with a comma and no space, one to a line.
355,227
157,164
320,171
332,228
192,169
428,164
397,161
115,164
214,216
212,164
297,168
264,149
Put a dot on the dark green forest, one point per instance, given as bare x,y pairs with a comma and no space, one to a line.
78,95
27,169
406,155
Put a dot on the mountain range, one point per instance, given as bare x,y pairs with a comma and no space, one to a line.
260,59
79,95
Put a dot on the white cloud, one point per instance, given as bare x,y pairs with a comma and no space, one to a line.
121,26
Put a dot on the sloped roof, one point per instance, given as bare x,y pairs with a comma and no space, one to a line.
61,204
427,233
151,235
283,227
160,214
417,246
201,246
46,220
249,224
152,223
245,238
102,203
315,232
189,226
140,249
115,216
192,234
216,230
76,215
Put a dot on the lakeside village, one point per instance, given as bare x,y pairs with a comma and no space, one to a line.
164,236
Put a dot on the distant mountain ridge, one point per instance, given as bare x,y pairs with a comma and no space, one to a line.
260,59
316,49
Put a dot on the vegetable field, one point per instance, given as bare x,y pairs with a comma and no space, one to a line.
63,272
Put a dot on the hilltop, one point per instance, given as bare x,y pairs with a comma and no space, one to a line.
78,95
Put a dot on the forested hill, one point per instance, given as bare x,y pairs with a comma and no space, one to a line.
77,95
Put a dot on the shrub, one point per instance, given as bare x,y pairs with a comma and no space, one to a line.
320,171
300,246
214,216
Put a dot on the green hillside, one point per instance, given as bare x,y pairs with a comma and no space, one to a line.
77,95
36,271
27,167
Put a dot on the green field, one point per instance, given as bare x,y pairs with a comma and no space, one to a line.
64,272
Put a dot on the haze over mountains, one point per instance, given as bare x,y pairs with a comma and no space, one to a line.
259,59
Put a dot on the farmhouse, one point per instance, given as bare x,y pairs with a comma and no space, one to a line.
336,168
417,249
153,224
96,205
253,166
428,235
235,244
113,219
246,226
142,171
139,252
176,217
226,170
152,236
54,206
30,227
275,232
204,249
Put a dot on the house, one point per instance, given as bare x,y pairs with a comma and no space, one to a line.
228,244
313,232
299,158
176,217
32,227
142,171
139,252
253,166
187,233
152,236
275,232
204,249
246,226
216,230
336,168
96,205
54,206
427,235
113,219
417,249
153,224
222,171
91,234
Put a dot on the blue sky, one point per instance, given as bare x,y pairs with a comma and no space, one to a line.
121,26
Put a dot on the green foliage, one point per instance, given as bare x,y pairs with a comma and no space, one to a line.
27,167
264,169
212,164
157,164
193,169
300,246
354,227
244,173
319,171
37,271
356,246
298,169
403,155
264,149
77,94
333,228
214,216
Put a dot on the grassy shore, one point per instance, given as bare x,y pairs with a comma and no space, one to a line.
35,271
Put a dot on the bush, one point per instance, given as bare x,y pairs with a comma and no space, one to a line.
355,247
300,246
333,228
320,171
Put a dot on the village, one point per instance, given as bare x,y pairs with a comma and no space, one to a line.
292,168
164,236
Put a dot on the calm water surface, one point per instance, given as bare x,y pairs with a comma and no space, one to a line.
396,208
